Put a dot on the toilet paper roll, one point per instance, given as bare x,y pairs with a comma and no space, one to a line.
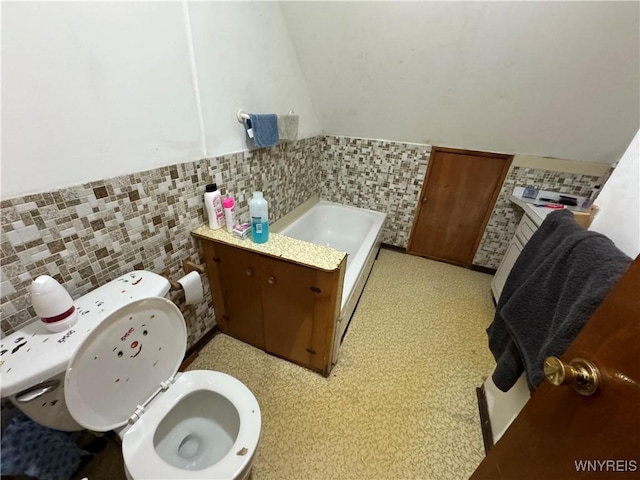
192,285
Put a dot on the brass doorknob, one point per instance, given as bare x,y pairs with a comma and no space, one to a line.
581,374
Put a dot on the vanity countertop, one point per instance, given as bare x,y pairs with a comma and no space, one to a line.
537,213
279,246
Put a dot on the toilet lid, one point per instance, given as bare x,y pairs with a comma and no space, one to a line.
123,361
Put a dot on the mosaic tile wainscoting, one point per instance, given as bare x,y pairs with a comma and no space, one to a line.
387,176
379,175
506,215
89,234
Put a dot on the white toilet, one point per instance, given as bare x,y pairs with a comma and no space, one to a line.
123,376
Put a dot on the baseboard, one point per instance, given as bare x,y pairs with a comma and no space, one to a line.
395,248
192,353
480,268
485,420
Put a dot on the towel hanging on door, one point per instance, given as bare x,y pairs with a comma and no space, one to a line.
562,275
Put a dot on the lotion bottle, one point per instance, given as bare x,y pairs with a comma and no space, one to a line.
229,213
259,211
213,203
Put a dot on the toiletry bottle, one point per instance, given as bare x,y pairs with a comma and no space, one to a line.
213,202
258,209
229,213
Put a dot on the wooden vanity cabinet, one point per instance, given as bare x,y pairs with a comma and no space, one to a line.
238,285
285,308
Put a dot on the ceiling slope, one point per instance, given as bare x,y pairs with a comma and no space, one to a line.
537,78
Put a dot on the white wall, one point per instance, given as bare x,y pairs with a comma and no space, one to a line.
92,90
245,59
556,79
619,202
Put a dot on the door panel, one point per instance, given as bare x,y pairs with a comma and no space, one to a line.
558,428
288,305
243,306
456,202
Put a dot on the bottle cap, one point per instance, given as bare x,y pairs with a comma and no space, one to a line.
227,202
257,194
212,187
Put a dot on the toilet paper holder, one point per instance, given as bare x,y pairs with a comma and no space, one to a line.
188,266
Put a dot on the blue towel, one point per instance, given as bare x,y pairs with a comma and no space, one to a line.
265,129
37,451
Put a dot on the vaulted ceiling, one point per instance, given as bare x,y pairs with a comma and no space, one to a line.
556,79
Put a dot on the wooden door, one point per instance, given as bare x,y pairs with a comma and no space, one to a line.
559,431
241,300
287,307
458,195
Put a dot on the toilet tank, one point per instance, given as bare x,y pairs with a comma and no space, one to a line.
34,354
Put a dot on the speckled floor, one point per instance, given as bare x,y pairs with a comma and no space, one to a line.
400,403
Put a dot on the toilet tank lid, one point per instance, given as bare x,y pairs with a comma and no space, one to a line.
123,362
34,354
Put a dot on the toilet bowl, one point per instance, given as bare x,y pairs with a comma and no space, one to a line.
123,377
209,425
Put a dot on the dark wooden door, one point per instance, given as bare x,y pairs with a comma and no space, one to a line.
240,286
458,195
561,434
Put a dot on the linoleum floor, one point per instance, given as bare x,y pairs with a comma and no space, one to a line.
401,401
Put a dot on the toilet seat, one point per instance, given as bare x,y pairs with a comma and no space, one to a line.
140,456
124,375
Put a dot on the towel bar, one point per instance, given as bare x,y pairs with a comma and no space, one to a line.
241,115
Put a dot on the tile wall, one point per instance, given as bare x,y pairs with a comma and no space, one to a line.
506,216
88,234
378,175
388,176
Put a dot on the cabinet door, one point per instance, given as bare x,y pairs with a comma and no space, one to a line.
239,274
508,261
288,308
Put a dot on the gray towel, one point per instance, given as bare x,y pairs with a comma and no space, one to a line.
288,127
562,275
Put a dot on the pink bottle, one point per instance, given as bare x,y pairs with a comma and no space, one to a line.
229,213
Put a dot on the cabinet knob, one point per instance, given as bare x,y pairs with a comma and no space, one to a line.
271,280
249,272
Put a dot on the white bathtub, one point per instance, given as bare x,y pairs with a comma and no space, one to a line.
355,231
